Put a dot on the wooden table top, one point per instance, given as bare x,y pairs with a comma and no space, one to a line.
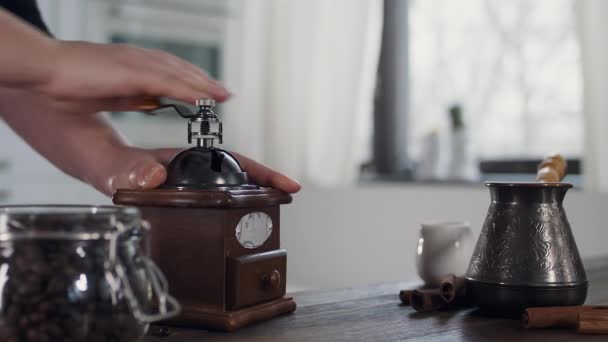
374,313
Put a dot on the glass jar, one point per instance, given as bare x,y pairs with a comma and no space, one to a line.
77,273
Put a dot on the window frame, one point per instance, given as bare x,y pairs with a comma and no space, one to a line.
390,157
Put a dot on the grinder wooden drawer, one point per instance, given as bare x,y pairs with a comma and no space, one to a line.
255,278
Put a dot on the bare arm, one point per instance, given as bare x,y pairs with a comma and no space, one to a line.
23,50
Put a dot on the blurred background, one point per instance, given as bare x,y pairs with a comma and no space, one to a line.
391,113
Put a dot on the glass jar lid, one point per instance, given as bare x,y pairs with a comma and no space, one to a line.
66,222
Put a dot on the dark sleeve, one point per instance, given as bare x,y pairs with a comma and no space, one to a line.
26,10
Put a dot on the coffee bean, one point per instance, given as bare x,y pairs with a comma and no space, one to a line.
58,291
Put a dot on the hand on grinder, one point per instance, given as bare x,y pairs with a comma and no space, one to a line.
88,148
145,169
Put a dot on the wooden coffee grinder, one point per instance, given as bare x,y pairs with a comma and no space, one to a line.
215,235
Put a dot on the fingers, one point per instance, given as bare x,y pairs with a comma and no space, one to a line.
259,173
89,71
195,73
173,77
169,86
132,103
265,176
142,172
146,170
134,168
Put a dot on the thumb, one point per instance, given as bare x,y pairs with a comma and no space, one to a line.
144,173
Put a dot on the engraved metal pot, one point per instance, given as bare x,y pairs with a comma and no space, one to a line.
526,255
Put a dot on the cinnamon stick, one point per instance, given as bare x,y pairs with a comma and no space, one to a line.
452,287
593,322
426,300
450,294
556,316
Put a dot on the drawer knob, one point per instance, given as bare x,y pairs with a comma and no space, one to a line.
272,280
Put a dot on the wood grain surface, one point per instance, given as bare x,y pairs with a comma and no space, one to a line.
374,313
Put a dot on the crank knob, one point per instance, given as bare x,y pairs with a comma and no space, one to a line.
205,102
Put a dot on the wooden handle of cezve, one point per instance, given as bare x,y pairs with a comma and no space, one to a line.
552,169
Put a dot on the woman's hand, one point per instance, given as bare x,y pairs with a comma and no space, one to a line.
134,168
118,73
43,82
88,148
105,74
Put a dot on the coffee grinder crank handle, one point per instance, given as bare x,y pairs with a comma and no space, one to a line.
204,125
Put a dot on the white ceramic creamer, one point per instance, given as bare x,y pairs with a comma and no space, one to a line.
443,248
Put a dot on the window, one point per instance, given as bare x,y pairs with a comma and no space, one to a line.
513,65
514,68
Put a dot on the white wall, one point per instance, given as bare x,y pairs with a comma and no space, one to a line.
352,236
593,28
31,179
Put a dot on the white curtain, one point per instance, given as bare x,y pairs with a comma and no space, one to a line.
303,75
593,29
